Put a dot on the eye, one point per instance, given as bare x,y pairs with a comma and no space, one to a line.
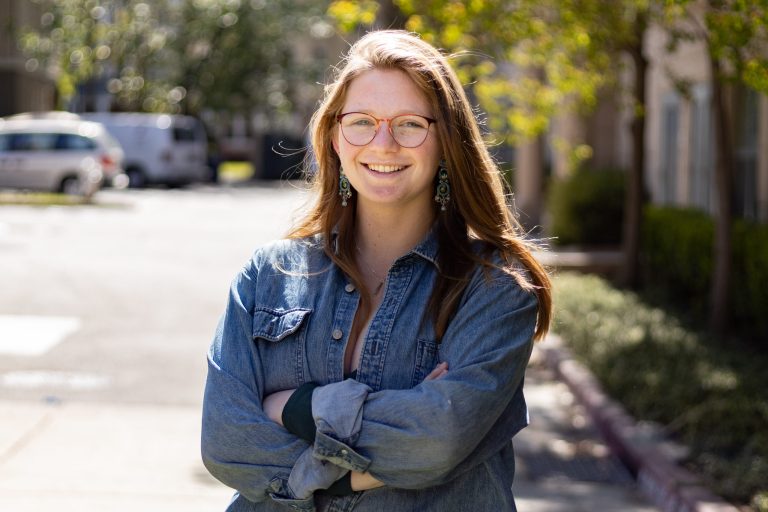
412,122
359,121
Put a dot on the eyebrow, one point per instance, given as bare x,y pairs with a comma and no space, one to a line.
400,113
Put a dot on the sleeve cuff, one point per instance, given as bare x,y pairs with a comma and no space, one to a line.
310,474
338,428
338,409
297,413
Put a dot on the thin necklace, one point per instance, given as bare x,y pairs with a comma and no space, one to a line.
370,269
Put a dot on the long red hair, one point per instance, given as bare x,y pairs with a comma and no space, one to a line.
477,210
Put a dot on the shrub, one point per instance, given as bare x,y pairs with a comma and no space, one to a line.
678,257
709,394
587,207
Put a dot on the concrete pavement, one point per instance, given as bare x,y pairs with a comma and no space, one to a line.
82,457
563,465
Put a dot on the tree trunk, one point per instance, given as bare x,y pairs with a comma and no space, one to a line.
633,213
721,275
389,16
529,182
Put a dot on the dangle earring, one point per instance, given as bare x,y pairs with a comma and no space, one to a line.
345,189
443,192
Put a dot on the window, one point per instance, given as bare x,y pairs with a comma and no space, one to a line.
185,132
32,141
72,142
745,182
4,142
670,114
702,148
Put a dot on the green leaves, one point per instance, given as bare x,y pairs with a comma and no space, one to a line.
546,55
172,56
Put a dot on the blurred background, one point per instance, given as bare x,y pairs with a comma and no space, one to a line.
147,147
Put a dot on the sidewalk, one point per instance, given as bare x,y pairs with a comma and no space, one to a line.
79,457
563,465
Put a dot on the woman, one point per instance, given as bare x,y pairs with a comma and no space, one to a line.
390,332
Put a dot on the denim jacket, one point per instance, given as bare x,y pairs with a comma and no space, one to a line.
441,444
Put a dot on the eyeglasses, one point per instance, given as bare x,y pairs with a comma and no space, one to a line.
408,130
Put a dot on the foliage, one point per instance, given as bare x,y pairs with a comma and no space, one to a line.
678,257
82,40
677,253
349,15
707,393
587,207
171,56
257,41
735,33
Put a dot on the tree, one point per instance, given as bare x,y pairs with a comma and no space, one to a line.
80,41
240,56
734,32
172,56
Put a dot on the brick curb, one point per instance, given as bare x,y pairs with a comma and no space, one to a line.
670,487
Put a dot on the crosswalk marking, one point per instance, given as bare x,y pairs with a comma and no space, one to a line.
31,335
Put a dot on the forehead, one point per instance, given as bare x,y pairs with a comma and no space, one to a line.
386,92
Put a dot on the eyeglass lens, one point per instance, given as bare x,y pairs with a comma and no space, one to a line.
408,130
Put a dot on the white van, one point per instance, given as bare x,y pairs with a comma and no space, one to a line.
58,153
159,148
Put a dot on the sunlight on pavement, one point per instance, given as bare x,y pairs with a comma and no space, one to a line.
39,379
27,335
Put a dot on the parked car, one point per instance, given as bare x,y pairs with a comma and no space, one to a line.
159,148
60,153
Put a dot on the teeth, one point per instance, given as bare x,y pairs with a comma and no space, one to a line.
384,168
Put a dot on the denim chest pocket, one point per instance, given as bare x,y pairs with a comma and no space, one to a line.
280,337
427,355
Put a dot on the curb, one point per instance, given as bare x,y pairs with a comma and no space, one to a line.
669,486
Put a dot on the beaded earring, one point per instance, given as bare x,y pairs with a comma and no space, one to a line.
345,189
443,191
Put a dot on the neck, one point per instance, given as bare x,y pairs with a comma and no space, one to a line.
384,234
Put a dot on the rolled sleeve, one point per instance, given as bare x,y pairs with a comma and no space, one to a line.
338,413
310,474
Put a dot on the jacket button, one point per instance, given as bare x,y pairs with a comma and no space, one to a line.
337,334
349,288
344,451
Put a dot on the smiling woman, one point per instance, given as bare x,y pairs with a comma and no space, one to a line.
374,359
390,169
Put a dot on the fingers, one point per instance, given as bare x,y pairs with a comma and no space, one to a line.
440,370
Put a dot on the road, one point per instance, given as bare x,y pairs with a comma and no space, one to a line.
106,312
140,280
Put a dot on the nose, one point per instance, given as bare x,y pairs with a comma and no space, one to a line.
383,137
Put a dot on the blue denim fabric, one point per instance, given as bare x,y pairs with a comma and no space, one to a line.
436,445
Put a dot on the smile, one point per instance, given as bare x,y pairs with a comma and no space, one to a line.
385,168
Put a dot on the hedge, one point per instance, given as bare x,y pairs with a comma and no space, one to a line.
587,208
707,393
677,255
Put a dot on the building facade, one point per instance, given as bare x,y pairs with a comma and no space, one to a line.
24,86
681,147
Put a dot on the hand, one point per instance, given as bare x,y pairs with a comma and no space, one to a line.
439,371
363,481
274,404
